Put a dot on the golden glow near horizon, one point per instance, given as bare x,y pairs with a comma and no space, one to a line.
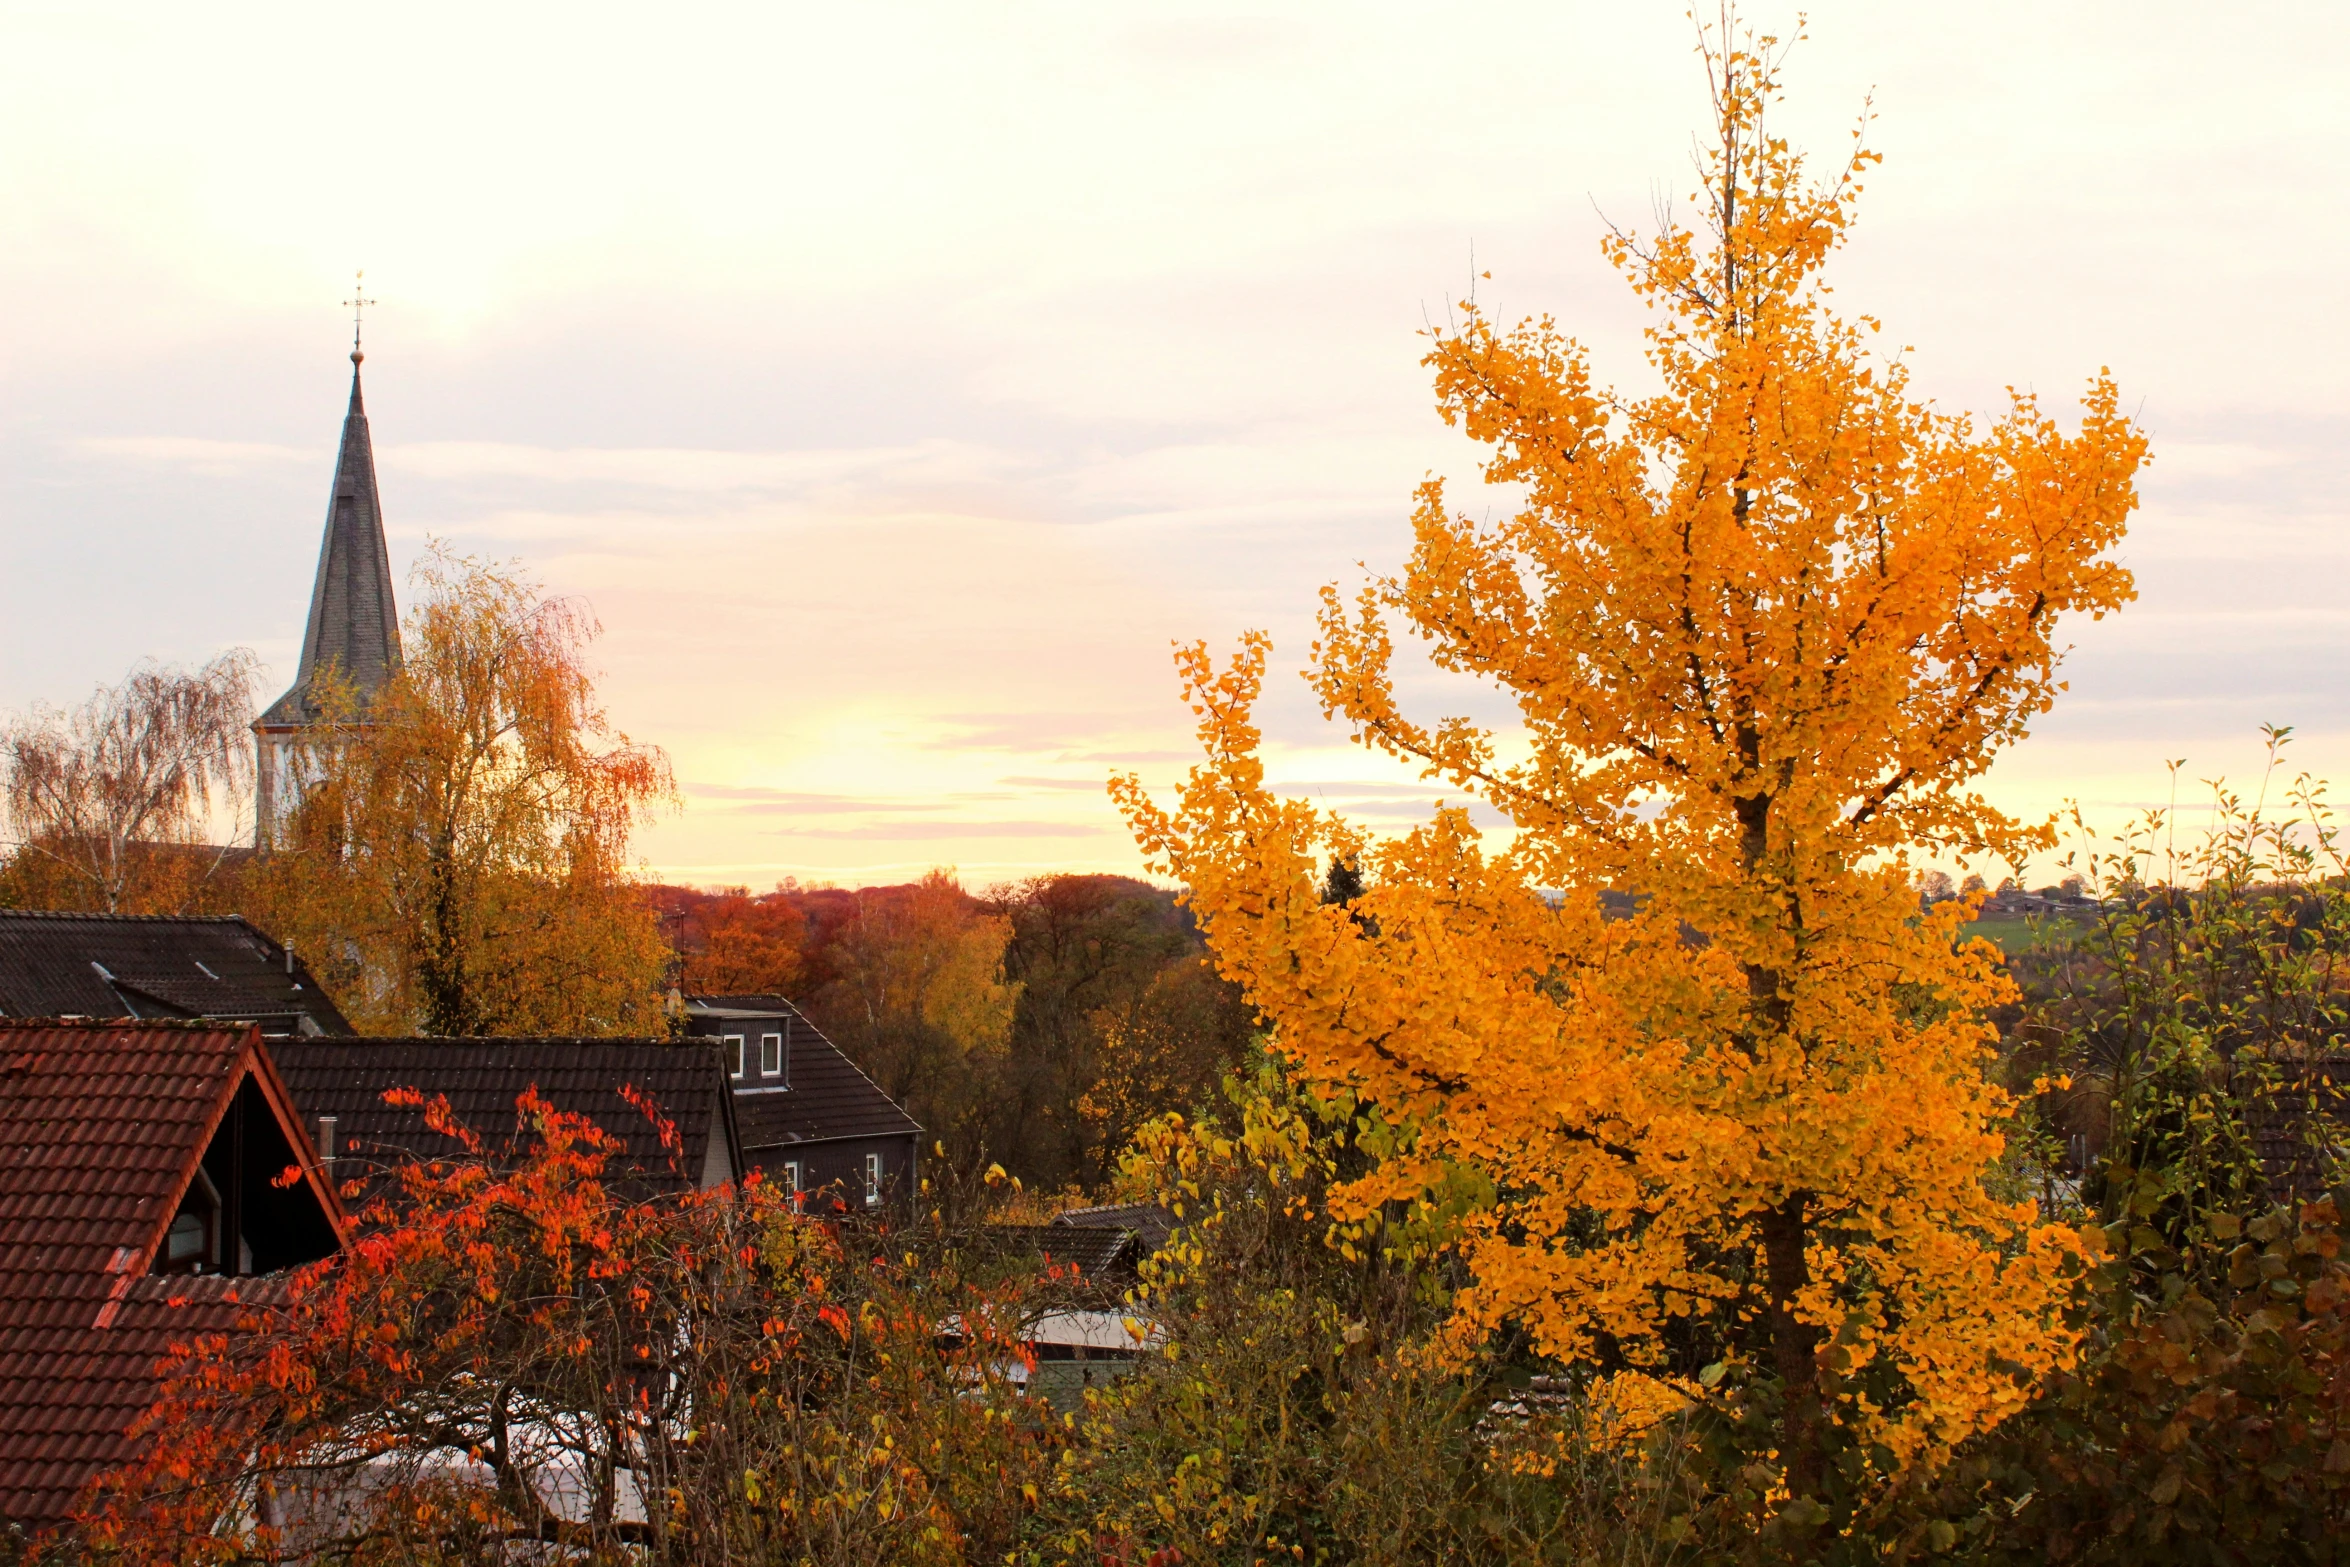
897,382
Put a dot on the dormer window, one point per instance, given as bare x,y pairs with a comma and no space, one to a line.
734,1056
771,1055
192,1244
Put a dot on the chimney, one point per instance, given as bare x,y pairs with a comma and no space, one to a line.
326,1139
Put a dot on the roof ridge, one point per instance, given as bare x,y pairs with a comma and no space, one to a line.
111,1025
100,914
499,1039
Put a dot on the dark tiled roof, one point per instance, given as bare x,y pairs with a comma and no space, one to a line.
100,1129
482,1079
2302,1126
354,625
167,966
1092,1250
1151,1223
828,1097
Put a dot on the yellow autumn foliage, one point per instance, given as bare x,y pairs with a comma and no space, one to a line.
1764,628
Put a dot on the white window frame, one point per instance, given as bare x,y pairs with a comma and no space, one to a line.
791,1183
734,1043
771,1055
201,1202
873,1180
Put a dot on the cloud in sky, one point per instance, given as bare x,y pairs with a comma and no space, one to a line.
944,831
898,383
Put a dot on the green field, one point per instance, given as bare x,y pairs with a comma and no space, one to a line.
2013,933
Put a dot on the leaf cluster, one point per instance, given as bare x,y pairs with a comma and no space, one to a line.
518,1356
456,864
1312,1404
2208,1424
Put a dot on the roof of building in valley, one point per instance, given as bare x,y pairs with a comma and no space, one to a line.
2300,1126
828,1098
1151,1223
483,1078
219,967
1093,1250
102,1128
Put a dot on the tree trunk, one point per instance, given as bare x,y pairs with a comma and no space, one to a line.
1793,1343
447,1009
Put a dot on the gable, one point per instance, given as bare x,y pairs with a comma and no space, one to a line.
721,1159
254,1222
104,1131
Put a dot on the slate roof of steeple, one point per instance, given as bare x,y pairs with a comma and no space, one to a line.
354,625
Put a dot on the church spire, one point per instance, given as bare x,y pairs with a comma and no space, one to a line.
354,625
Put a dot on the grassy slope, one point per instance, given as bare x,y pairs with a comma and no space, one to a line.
2012,933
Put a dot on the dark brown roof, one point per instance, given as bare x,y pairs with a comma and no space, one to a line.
1092,1250
354,625
1150,1223
482,1079
829,1098
101,1129
155,966
2301,1127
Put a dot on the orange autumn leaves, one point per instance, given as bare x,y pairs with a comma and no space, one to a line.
1764,629
525,1352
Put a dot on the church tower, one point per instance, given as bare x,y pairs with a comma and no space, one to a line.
354,626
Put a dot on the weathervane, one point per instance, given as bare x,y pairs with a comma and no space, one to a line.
358,303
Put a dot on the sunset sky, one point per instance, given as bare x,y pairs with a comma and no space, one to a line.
896,382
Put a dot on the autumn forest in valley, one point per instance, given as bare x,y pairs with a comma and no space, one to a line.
1677,1099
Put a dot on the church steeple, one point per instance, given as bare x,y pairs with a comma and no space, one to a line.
354,626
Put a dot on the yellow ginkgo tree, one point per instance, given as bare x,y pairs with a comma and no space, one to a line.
1763,629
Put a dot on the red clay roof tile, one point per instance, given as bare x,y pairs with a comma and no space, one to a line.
99,1129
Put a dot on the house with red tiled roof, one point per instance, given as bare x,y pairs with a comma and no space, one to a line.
141,1202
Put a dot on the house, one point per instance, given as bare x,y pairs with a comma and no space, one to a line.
157,966
354,625
338,1087
1083,1346
808,1116
141,1201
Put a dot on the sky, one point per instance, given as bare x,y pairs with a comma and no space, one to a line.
897,383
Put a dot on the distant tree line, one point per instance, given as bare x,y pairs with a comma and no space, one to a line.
1036,1025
